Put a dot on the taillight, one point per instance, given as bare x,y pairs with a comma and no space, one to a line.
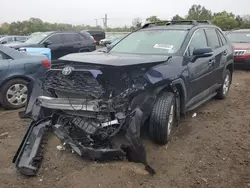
94,41
46,63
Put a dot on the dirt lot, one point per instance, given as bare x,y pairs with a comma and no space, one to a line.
210,150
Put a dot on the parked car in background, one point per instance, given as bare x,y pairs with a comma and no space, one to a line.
13,39
109,40
33,34
240,40
17,69
109,46
60,42
97,34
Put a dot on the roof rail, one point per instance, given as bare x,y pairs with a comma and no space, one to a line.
172,22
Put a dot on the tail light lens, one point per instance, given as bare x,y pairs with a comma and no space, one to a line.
94,41
46,63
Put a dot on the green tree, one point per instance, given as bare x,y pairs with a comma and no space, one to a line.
153,19
136,23
245,22
225,22
198,12
177,17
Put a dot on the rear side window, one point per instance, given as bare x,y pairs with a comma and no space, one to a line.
85,36
198,40
71,38
67,38
21,38
223,39
54,39
10,39
212,37
77,38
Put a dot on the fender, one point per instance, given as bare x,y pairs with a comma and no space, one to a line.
231,62
180,82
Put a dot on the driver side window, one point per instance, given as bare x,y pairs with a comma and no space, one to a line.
54,39
198,40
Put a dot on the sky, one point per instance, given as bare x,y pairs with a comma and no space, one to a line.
119,12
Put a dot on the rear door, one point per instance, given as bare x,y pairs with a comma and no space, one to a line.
220,53
72,43
200,71
227,55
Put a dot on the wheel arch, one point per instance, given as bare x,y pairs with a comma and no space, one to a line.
26,78
230,67
178,87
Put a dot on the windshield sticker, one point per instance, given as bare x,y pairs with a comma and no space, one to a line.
164,46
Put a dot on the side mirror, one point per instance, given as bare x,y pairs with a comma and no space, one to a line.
47,43
202,52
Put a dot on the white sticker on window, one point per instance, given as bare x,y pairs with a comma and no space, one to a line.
164,46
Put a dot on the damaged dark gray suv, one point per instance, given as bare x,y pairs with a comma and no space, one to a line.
147,80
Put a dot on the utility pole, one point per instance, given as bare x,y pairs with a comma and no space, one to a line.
96,22
105,21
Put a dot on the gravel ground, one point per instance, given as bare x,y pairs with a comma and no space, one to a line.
210,150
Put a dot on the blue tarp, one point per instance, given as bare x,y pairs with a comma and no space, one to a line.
44,51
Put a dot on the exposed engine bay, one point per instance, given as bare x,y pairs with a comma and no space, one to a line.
86,107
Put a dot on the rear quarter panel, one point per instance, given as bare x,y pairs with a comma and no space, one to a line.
29,68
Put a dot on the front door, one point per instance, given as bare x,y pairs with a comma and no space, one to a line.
200,70
55,46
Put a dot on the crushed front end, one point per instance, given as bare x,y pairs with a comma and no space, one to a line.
86,107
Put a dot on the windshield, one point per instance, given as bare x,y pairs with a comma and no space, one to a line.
37,38
239,37
151,42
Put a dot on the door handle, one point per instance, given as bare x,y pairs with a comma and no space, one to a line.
211,62
225,52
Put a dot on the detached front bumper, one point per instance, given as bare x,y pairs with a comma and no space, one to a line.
46,112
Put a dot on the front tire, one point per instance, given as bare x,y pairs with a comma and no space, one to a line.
14,94
224,89
162,118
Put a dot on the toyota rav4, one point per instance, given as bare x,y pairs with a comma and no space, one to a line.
146,80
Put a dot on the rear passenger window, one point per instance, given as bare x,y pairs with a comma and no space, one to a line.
198,41
10,39
68,38
77,38
212,37
223,40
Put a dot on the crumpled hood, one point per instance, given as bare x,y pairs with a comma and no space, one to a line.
241,46
114,59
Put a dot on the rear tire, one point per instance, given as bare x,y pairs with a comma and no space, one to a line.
224,89
162,118
14,94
